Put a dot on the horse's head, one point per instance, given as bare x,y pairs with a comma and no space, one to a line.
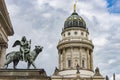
38,48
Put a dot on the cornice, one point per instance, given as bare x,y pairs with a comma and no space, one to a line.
5,19
74,28
7,28
75,44
75,69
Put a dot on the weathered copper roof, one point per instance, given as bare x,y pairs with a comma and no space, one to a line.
74,21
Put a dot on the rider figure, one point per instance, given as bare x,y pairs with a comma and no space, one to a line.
23,46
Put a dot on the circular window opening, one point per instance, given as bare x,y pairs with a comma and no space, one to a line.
81,33
75,33
64,35
68,33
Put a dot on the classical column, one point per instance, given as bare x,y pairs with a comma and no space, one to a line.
2,54
89,59
64,60
87,52
59,53
92,60
72,63
80,57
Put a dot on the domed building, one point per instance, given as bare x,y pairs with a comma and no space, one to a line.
75,51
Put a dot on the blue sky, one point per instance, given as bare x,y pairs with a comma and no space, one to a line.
43,20
114,6
111,2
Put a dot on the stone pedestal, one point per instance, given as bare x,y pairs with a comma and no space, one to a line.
23,74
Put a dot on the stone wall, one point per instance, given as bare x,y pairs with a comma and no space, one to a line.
23,74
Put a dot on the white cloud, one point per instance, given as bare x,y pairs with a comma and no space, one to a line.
111,61
14,9
43,21
100,41
117,77
47,15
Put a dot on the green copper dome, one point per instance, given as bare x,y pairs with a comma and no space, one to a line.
74,21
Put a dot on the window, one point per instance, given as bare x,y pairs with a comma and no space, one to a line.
61,52
76,62
75,33
69,63
64,35
80,23
83,64
68,33
86,35
81,33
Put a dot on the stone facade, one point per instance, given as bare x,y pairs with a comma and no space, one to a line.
6,30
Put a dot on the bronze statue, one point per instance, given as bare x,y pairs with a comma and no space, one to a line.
56,71
24,54
15,57
78,68
97,72
24,46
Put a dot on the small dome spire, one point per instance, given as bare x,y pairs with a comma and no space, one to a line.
75,7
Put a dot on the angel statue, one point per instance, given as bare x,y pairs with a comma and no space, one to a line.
24,47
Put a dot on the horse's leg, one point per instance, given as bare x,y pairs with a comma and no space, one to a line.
29,64
14,65
6,66
15,62
7,62
33,65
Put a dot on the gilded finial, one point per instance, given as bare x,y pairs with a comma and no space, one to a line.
75,7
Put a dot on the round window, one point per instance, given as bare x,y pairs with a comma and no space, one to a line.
64,35
68,33
81,33
75,33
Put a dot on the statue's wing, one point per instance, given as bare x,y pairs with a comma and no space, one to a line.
17,42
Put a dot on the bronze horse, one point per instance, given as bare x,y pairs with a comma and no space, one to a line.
30,57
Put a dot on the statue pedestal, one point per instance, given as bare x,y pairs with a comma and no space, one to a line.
23,74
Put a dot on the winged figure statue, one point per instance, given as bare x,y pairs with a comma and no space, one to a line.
24,46
24,54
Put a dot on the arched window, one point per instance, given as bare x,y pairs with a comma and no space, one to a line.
69,63
76,62
83,64
80,23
